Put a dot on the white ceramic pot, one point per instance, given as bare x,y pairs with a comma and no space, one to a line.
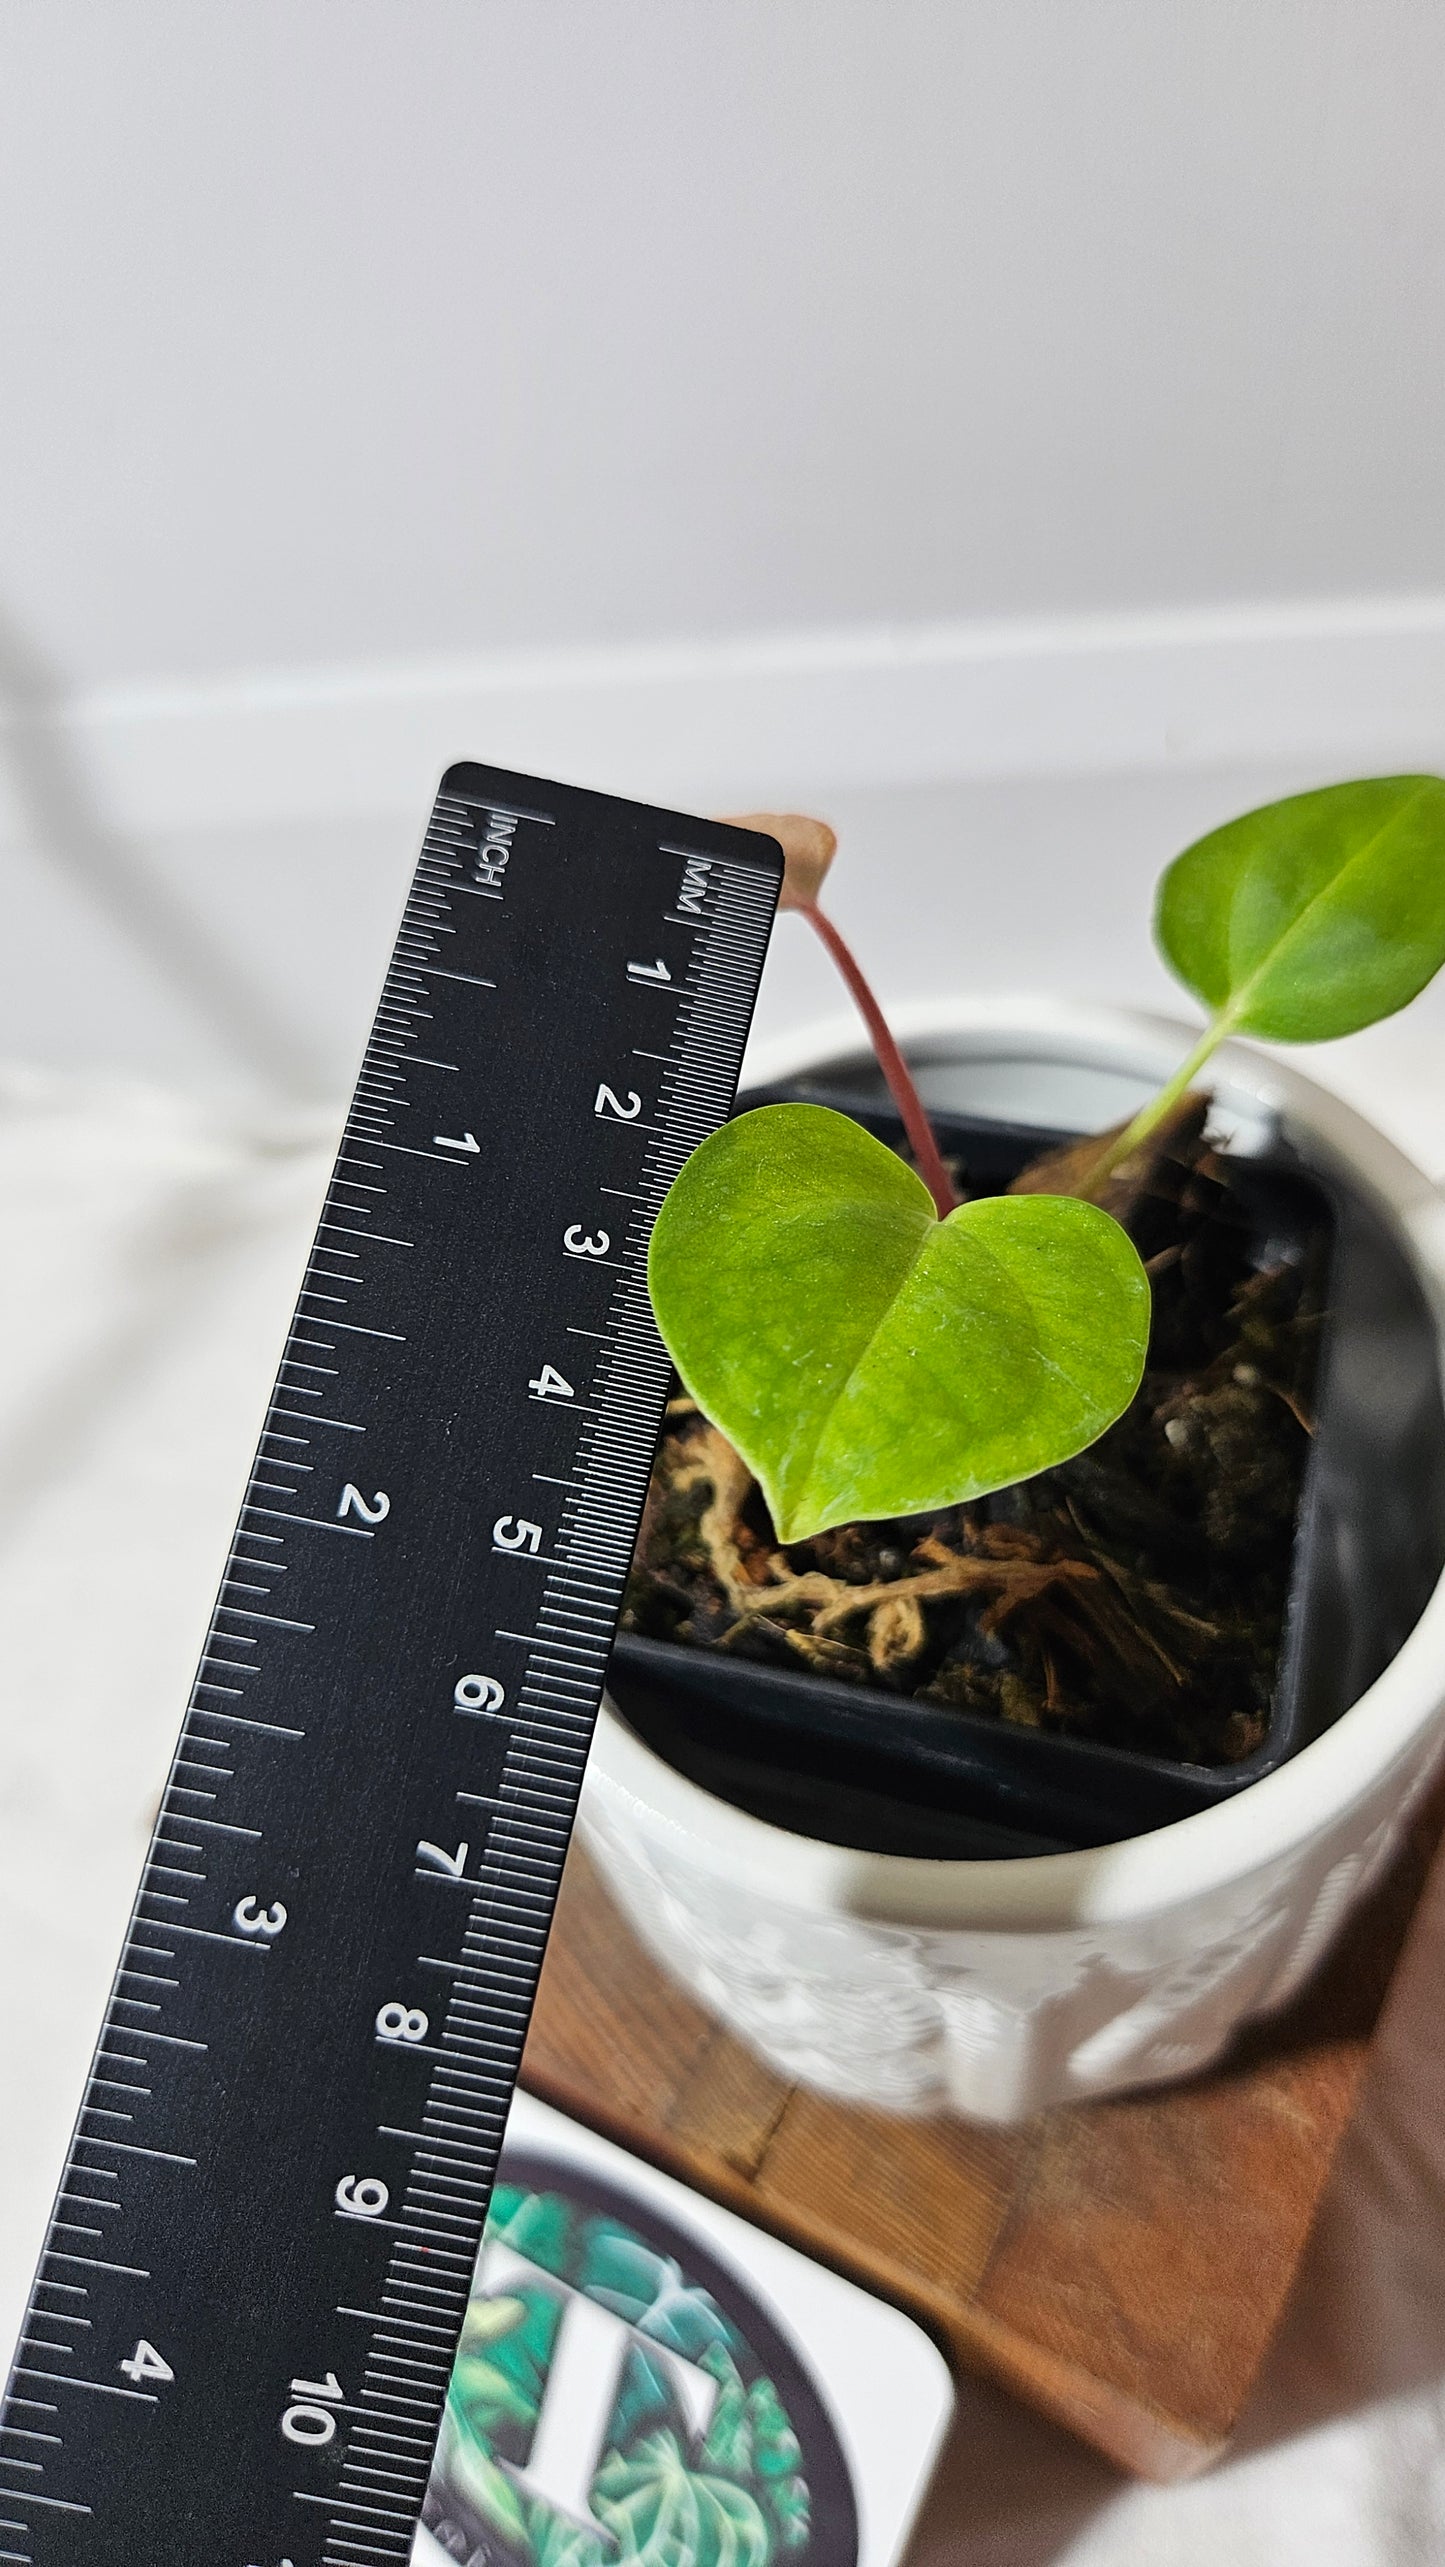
996,1988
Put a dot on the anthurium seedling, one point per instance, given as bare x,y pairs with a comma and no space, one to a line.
867,1359
872,1348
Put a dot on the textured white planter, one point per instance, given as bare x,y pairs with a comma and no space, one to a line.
996,1988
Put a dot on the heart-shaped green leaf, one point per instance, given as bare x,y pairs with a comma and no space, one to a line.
868,1359
1316,915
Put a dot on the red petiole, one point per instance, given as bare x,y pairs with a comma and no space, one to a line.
927,1156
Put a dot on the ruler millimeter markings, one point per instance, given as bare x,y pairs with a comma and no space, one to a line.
240,2336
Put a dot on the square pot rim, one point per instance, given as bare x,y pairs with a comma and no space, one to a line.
1378,1739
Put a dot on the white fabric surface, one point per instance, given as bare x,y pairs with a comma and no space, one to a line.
152,1253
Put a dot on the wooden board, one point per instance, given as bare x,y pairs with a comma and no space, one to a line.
1121,2265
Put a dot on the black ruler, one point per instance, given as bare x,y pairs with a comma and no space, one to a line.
243,2326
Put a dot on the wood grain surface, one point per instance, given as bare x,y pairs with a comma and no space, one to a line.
1121,2265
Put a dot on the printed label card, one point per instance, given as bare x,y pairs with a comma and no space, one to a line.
646,2380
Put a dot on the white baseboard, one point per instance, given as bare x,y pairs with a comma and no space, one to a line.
1343,686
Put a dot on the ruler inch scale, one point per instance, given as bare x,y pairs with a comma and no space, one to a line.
244,2321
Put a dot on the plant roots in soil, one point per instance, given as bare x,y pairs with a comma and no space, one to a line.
1134,1596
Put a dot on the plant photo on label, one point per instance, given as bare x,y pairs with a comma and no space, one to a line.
1032,1443
698,2460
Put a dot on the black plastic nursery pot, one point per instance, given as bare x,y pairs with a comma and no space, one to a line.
857,1765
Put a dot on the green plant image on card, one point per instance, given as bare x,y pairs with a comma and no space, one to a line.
868,1360
662,2494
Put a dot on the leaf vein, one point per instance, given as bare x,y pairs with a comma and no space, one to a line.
1235,1008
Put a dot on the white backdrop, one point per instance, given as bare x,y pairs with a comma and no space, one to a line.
335,334
1013,429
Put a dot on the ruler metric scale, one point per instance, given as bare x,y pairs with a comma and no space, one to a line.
244,2321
